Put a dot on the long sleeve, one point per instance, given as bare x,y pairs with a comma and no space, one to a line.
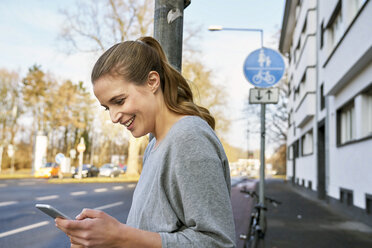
199,192
184,189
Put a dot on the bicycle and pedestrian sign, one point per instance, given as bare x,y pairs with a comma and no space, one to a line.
264,67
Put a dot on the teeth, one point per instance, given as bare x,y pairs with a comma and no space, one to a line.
128,123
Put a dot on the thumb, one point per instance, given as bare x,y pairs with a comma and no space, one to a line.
89,213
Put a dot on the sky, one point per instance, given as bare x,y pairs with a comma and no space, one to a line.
29,35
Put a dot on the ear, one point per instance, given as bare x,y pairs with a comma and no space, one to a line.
153,81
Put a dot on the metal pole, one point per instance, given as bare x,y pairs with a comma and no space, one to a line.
1,155
262,155
168,28
262,167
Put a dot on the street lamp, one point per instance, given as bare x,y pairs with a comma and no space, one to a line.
221,28
263,110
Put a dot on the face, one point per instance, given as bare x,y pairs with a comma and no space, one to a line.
130,105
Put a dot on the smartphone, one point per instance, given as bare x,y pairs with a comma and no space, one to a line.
51,211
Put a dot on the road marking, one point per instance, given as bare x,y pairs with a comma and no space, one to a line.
132,185
3,185
100,190
26,183
48,197
117,187
22,229
3,204
78,193
110,205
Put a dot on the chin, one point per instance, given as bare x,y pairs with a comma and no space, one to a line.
136,135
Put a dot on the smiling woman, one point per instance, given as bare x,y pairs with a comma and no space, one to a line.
182,198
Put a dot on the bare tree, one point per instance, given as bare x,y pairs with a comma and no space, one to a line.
205,93
95,26
10,102
276,117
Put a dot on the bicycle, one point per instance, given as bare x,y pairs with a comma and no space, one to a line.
263,76
256,230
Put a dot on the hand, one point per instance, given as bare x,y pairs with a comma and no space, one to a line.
92,228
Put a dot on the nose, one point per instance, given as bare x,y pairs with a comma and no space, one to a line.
115,115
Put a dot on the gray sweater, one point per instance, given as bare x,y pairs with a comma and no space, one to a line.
184,189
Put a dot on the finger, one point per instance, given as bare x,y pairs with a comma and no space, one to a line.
89,213
74,244
78,241
66,225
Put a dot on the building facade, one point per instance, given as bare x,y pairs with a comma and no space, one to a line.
329,49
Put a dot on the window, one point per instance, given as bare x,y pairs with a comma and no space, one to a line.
290,152
367,113
302,84
303,31
298,7
346,197
355,6
296,92
335,25
322,97
296,148
322,35
307,143
345,124
369,204
297,51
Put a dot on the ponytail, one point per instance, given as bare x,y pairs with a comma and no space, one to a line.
178,96
133,60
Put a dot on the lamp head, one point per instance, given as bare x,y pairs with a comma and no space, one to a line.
215,28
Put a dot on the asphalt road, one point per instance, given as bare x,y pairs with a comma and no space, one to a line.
22,225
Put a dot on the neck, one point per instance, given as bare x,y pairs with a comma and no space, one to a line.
164,123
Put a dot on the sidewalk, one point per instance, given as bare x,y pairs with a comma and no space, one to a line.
304,222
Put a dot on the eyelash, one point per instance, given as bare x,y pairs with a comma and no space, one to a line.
118,102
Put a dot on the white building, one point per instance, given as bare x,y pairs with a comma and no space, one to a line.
329,49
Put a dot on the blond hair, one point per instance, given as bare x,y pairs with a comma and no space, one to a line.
133,60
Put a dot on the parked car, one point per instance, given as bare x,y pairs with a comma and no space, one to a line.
48,170
88,170
109,170
123,168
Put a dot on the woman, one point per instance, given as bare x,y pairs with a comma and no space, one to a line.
182,198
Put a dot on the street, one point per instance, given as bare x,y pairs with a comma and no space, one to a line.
22,225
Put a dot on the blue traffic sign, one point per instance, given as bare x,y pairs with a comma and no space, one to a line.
59,157
264,67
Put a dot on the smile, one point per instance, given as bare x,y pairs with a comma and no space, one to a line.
129,122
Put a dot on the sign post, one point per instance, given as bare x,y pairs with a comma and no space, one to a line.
263,68
1,155
81,149
11,155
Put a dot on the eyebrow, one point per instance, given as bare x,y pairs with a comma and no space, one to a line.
115,97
